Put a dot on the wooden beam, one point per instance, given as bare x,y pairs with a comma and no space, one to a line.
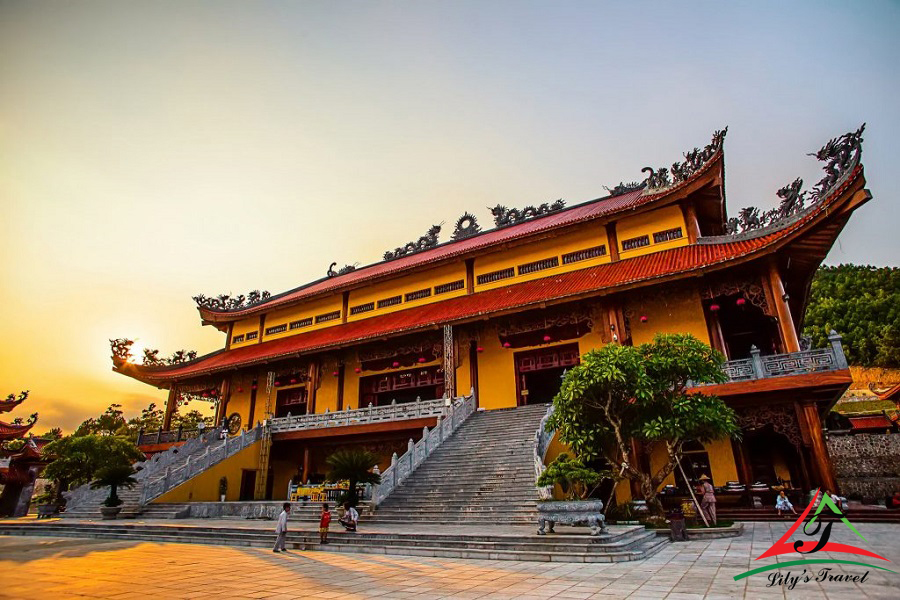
171,407
312,384
690,220
612,239
835,379
470,276
817,447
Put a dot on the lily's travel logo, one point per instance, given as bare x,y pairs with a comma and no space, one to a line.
811,567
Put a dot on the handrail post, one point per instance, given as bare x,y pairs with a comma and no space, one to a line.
756,361
840,359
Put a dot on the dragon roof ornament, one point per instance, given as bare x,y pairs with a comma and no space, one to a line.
429,240
840,155
224,302
121,354
504,217
662,178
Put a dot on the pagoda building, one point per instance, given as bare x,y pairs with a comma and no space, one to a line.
501,313
19,467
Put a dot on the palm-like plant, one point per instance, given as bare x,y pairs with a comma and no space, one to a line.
354,465
114,477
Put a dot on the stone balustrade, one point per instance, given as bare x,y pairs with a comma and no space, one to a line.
361,416
148,438
449,420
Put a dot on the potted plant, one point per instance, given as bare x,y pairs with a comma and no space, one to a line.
223,488
46,503
113,477
577,483
354,465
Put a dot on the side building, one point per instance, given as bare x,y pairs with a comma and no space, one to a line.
366,356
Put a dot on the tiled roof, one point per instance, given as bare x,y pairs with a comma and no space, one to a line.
870,422
11,431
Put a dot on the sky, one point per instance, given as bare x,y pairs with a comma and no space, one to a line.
153,151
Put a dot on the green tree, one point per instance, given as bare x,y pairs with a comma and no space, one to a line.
76,460
354,465
576,480
623,393
114,477
862,303
111,422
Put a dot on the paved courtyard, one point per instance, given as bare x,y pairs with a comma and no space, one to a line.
72,568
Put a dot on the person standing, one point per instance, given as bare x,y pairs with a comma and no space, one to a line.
324,520
281,528
708,501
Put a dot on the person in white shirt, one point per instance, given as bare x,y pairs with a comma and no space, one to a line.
350,518
281,528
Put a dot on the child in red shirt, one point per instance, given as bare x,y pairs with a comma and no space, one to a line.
323,524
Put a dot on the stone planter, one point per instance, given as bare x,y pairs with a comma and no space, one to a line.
571,512
46,510
110,512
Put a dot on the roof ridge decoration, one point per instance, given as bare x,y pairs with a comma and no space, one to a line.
466,226
504,217
13,401
624,188
342,271
429,240
121,354
224,302
841,155
659,179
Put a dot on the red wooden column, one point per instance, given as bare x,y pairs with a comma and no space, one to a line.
312,382
783,309
171,406
224,397
613,239
822,462
691,222
306,459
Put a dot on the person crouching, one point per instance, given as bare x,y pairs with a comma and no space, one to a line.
350,518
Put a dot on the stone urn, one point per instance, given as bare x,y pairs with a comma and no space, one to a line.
110,512
571,512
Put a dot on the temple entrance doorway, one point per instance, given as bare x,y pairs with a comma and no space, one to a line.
745,325
773,459
248,485
539,372
426,383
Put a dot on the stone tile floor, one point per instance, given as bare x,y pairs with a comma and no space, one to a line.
78,568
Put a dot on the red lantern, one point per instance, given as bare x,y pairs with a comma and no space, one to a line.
254,386
213,392
741,301
335,373
357,370
547,338
240,390
293,380
643,318
507,345
205,395
479,349
395,364
714,307
277,383
422,359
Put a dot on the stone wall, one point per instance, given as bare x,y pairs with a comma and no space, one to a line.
866,465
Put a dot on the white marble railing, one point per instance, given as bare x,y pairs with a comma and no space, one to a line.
541,443
361,416
177,472
403,466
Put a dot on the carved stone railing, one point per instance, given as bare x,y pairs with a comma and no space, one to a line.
361,416
215,451
541,443
792,363
403,466
148,438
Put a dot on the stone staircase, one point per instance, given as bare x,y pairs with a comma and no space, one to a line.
483,474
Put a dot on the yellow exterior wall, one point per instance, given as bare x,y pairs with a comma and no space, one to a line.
721,461
672,310
312,308
239,402
648,223
496,373
243,328
205,486
588,236
410,283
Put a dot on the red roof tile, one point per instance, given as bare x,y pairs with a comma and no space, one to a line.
870,422
11,431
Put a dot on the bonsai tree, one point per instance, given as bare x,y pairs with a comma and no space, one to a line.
623,393
354,465
114,477
76,460
575,479
223,486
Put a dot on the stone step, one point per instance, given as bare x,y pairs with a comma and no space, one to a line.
624,546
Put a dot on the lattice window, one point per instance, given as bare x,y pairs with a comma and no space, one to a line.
355,310
418,294
586,254
276,329
496,276
449,287
252,335
302,323
637,242
237,339
539,265
667,235
331,316
392,301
